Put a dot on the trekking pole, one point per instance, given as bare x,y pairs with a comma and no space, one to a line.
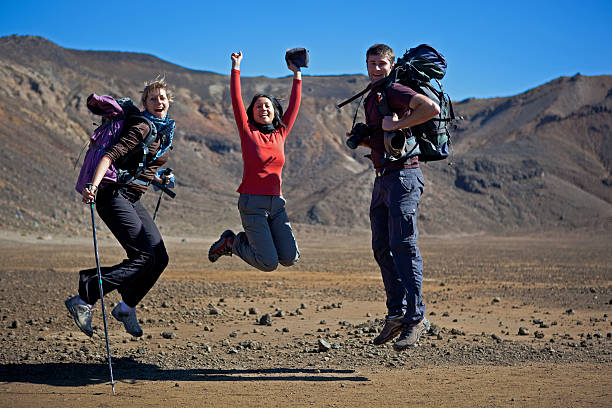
95,240
161,193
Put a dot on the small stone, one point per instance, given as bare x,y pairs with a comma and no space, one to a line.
266,320
253,311
523,331
323,345
15,324
538,334
168,335
496,300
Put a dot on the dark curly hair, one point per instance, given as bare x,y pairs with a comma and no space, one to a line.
278,111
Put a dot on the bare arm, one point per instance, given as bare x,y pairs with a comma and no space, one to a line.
422,108
89,194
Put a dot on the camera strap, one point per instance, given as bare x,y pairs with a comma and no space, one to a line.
357,111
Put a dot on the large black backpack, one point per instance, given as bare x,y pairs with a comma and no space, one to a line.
417,68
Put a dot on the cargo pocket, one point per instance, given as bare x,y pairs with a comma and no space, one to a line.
403,225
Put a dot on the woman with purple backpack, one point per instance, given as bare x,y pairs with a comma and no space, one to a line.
119,207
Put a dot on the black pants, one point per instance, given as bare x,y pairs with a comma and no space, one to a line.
135,230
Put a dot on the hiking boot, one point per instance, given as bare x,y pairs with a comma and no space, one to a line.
81,314
411,334
223,246
129,320
392,327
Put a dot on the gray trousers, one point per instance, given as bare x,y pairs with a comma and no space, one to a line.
267,239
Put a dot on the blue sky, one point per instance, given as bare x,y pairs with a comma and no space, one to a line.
493,48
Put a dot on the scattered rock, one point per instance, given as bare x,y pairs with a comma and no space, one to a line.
168,335
523,331
324,346
266,320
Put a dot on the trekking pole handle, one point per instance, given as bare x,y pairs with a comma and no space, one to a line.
92,190
165,174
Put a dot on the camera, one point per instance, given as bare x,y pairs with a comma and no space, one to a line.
359,132
298,56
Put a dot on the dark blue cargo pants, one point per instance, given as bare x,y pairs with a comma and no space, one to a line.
393,219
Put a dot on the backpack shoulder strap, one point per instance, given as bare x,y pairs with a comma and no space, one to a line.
152,132
143,147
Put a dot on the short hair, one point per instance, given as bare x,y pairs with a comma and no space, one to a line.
382,50
158,83
278,111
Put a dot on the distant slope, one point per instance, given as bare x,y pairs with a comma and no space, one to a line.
538,160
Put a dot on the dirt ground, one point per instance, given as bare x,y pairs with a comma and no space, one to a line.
204,344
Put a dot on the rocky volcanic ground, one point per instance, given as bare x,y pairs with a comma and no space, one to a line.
494,304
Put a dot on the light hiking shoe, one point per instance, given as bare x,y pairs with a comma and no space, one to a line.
392,327
223,246
129,320
411,334
81,314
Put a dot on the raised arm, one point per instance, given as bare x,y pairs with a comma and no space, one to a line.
239,112
296,97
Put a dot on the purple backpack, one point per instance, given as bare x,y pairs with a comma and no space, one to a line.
114,113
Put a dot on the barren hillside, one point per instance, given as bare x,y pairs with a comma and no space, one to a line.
538,160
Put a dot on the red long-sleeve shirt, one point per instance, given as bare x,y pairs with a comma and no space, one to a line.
263,155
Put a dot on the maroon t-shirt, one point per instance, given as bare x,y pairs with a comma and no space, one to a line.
398,99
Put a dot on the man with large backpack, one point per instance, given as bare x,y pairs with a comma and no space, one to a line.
390,111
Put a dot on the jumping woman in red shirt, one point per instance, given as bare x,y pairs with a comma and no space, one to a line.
267,239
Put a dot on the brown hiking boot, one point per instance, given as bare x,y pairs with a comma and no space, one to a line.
410,335
392,327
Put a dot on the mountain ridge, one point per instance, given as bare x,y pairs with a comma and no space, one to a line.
539,160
